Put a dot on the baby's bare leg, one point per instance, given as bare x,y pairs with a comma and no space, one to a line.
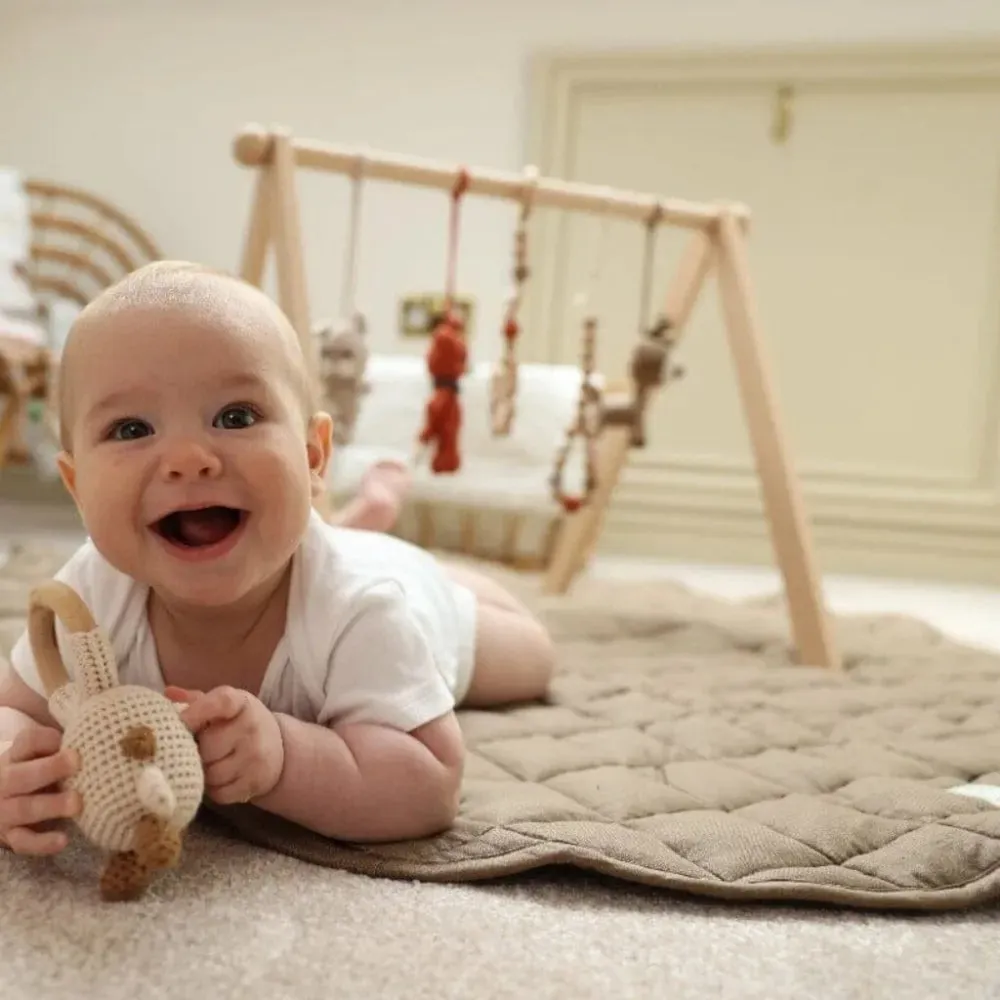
378,503
514,653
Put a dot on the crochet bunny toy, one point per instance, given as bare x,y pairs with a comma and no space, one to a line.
140,778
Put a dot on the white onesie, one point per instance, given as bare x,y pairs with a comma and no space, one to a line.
376,631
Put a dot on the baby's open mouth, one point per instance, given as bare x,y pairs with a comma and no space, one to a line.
199,528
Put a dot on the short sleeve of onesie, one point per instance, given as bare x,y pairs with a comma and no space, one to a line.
383,668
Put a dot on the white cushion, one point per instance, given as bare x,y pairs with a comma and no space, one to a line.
511,472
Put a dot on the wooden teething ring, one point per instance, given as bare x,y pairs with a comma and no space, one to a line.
47,602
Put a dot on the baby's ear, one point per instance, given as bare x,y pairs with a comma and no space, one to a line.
67,472
319,446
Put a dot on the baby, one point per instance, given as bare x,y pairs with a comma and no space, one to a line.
320,665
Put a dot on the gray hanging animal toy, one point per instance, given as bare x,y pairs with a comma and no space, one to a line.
343,361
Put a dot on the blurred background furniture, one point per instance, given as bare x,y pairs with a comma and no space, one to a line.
73,245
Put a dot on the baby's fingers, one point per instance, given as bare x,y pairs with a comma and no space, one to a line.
34,775
37,741
22,840
29,810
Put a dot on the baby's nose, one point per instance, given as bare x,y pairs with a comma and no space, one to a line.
190,460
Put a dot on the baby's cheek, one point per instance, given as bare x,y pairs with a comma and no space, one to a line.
108,503
285,457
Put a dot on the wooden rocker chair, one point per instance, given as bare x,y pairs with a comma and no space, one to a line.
80,245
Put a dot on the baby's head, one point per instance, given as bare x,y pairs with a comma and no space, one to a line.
181,390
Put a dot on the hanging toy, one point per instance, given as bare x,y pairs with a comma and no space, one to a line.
503,385
586,426
446,360
343,344
589,416
344,355
650,357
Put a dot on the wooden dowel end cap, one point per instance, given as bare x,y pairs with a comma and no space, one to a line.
252,146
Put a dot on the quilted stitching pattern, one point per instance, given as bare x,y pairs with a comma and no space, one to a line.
684,749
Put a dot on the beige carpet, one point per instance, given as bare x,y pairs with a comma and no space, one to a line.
238,918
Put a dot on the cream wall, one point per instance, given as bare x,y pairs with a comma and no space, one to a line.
138,101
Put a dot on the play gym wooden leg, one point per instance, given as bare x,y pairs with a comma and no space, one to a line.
259,231
614,449
291,270
582,528
783,502
288,249
682,293
687,282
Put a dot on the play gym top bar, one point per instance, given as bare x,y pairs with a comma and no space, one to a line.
253,148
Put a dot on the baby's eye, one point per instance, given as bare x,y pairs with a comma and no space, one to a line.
130,429
236,418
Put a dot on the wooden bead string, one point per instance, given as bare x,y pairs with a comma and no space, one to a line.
586,425
503,394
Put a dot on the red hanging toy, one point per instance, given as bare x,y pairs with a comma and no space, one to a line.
446,361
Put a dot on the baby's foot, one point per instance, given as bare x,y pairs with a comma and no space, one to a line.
383,489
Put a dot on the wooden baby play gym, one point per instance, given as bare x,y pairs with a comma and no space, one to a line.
606,424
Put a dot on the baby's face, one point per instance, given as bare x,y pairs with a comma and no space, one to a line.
191,456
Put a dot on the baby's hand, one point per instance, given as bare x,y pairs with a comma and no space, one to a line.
30,802
239,739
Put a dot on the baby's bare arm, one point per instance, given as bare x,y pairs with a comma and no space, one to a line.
20,707
367,782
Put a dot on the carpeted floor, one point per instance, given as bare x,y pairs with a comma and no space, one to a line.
237,919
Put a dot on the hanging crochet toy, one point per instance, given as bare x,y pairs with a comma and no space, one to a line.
650,369
343,345
343,359
446,362
141,778
650,363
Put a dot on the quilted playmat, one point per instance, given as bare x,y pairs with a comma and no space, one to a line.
682,748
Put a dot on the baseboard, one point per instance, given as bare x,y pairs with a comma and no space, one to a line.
855,549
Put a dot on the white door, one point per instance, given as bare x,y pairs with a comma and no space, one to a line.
873,246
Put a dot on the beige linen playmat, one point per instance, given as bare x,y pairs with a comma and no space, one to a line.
683,749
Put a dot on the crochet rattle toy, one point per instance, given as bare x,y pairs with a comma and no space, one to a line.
141,777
